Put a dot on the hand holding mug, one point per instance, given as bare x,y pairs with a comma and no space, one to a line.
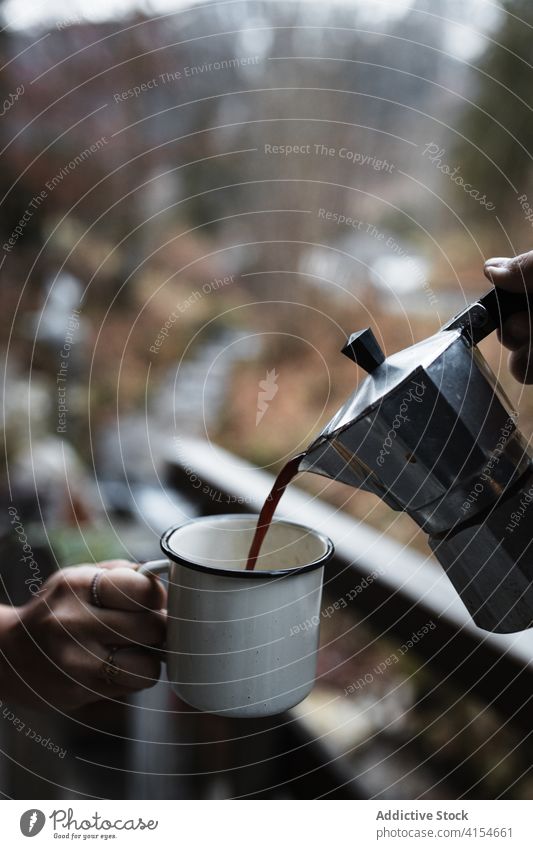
87,635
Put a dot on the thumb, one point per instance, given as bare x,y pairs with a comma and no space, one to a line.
515,274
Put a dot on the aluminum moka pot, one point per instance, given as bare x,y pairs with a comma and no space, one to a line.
431,432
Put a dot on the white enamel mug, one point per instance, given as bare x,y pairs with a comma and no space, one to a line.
242,643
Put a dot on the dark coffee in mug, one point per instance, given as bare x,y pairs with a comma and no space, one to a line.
287,474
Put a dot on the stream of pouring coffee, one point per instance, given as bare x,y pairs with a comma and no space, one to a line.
287,474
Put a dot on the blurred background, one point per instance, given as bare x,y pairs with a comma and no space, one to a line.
198,204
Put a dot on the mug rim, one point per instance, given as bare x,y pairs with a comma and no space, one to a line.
251,574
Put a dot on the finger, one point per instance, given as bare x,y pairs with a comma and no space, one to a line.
122,588
131,669
516,332
512,273
521,364
106,564
117,627
79,580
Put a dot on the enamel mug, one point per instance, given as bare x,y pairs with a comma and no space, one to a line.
242,643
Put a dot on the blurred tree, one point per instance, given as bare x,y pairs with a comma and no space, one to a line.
13,199
495,152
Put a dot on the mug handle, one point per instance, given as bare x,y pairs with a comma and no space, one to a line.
154,567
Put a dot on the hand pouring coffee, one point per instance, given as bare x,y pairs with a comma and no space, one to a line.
431,432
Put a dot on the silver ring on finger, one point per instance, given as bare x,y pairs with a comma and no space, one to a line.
95,595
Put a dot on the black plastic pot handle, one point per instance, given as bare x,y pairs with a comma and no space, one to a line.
489,313
501,305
